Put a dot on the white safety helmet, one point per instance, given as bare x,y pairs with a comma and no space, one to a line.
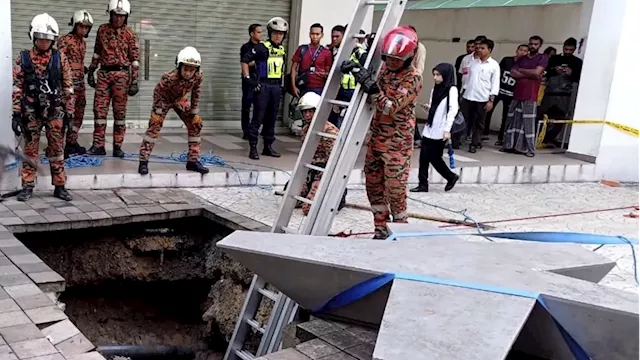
278,24
120,7
82,17
44,26
308,101
189,56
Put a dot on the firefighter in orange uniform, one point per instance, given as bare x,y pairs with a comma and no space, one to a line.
388,159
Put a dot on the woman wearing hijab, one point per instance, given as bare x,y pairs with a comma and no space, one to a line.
442,108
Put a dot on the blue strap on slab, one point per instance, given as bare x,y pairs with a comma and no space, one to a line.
370,286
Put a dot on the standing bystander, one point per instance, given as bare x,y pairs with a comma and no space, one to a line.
311,64
255,36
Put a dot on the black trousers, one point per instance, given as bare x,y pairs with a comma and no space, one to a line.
266,103
474,114
431,153
506,102
247,101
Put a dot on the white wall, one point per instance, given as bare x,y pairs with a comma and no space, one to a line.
6,79
506,26
329,13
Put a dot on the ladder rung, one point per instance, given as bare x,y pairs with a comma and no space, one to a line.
288,230
381,2
338,102
313,167
304,200
244,354
268,293
327,135
256,325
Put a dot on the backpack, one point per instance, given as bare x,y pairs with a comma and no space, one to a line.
303,77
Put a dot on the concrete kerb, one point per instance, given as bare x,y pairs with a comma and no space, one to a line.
536,174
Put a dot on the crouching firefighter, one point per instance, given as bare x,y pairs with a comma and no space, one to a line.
270,59
307,106
388,159
171,93
42,97
117,52
74,48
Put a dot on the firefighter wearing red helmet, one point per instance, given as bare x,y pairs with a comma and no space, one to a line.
390,147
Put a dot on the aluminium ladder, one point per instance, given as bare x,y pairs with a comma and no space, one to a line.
335,177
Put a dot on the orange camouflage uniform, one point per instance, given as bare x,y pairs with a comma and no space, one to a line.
114,49
320,158
171,93
51,116
388,159
74,48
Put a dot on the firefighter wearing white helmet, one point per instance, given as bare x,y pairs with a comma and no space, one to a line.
172,92
308,104
267,82
118,54
42,97
74,47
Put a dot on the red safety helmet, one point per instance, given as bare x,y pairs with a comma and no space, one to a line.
400,43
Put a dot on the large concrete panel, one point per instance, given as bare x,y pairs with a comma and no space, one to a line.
424,320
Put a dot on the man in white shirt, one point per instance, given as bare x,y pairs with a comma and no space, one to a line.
479,91
465,64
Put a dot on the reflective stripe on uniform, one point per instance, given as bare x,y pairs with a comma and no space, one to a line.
96,56
135,64
56,158
101,121
401,216
119,122
149,139
348,81
195,139
380,207
275,62
75,128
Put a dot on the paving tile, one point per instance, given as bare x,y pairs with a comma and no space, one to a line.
319,327
33,301
13,318
3,294
96,215
56,218
16,250
286,354
88,208
155,209
6,214
34,267
8,305
46,277
361,352
60,331
69,210
24,259
25,213
78,216
109,206
9,270
34,219
32,348
94,355
339,356
11,221
366,335
22,290
136,210
6,234
17,333
76,345
45,315
118,212
6,353
49,357
76,202
342,339
9,242
48,211
40,205
3,208
4,261
14,279
317,348
19,206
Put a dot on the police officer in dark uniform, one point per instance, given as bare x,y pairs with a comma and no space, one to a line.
270,58
255,35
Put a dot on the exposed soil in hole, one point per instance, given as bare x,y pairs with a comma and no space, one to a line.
144,283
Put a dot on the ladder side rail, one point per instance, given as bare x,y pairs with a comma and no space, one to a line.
286,316
312,141
241,328
323,207
270,327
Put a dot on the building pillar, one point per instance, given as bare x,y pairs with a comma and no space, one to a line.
608,91
6,80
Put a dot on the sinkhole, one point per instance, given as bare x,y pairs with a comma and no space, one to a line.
140,290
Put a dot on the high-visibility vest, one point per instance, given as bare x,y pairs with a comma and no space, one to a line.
348,81
275,62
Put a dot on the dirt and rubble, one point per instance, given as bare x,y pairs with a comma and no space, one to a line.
154,283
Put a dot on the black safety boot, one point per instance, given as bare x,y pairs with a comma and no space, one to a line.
197,167
73,149
61,193
117,151
253,152
268,151
421,188
94,150
451,182
25,194
143,168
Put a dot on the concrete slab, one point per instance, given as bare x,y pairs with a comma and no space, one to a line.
493,320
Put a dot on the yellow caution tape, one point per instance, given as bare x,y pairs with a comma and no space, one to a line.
625,128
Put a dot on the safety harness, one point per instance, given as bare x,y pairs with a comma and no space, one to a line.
42,92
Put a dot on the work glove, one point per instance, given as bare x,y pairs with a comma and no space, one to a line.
347,66
91,80
16,123
133,89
